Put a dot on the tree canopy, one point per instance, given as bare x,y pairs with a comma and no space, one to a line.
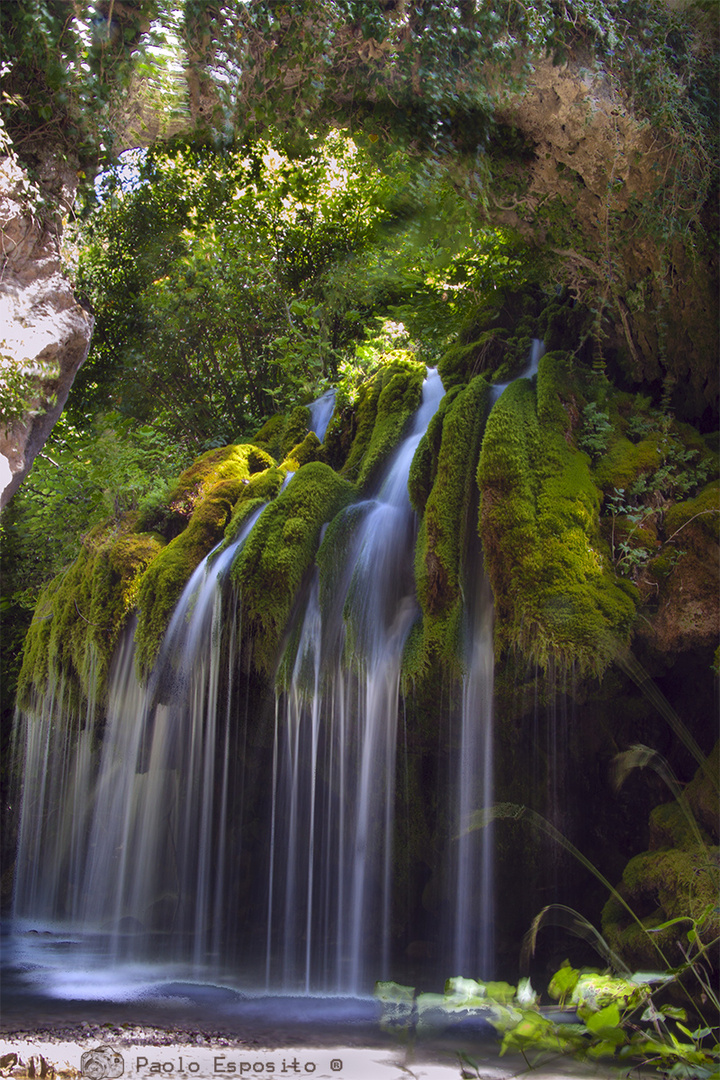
227,286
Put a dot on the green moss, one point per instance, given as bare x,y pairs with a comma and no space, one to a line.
280,550
270,435
310,449
339,435
672,883
670,827
624,461
218,480
260,488
385,404
82,612
295,429
462,362
215,465
703,511
678,879
447,526
423,468
554,594
702,793
282,432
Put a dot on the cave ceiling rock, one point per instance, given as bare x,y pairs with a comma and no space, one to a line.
588,146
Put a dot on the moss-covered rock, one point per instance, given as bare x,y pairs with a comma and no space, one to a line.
282,432
624,461
81,613
310,449
539,522
226,462
463,361
448,520
216,481
703,510
270,436
279,551
295,430
384,405
672,883
258,489
423,468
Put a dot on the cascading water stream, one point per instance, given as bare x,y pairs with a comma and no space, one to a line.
472,875
334,759
321,412
135,840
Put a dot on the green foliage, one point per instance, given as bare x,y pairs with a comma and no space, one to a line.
596,430
645,484
18,392
86,473
227,286
613,1019
62,68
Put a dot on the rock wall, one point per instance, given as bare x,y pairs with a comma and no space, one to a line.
44,332
599,183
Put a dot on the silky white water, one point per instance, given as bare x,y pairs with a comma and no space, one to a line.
334,761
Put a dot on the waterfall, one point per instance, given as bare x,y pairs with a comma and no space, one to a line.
194,826
471,879
334,757
530,370
128,842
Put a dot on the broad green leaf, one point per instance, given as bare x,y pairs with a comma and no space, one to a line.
609,1017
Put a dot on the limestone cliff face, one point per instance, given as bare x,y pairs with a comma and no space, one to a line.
44,332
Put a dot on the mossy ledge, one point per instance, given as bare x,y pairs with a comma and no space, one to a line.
281,549
282,431
81,613
555,596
